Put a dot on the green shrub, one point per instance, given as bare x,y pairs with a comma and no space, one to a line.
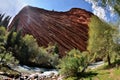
47,56
7,58
73,64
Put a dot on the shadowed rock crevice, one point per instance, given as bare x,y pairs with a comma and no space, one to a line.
68,29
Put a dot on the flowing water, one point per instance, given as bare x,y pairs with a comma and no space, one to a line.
30,70
26,69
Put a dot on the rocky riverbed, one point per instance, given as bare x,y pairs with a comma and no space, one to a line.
34,76
33,73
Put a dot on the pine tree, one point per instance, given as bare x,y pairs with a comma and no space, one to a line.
4,20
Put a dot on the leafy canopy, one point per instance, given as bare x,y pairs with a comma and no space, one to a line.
114,4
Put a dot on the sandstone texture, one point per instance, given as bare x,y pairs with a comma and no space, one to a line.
67,29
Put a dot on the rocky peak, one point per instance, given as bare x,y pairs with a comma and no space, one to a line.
68,29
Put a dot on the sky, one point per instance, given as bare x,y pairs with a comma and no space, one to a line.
12,7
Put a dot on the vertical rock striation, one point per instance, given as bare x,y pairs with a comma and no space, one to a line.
68,29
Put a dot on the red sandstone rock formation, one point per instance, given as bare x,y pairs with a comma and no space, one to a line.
68,29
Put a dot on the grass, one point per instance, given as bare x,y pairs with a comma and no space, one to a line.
105,73
108,74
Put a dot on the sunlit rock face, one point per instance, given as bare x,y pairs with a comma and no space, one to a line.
68,29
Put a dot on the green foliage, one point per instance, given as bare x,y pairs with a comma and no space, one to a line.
2,35
73,64
56,50
101,39
9,72
9,41
47,56
97,34
6,56
30,47
114,4
4,20
2,31
8,59
105,74
26,50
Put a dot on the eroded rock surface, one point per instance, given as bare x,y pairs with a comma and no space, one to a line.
68,29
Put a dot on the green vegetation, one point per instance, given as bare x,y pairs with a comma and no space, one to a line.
27,51
105,74
4,20
114,4
6,56
9,72
74,64
103,44
101,41
15,48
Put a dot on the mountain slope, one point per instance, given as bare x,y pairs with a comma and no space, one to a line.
68,29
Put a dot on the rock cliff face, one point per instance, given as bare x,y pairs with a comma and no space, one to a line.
68,29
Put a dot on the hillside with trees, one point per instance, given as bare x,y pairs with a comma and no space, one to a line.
102,45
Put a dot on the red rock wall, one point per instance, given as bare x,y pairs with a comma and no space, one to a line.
68,29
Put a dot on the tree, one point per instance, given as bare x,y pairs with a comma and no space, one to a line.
48,56
4,20
2,34
73,64
114,4
6,57
9,40
31,47
27,51
101,41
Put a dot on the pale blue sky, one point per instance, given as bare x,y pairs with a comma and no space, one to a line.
60,5
12,7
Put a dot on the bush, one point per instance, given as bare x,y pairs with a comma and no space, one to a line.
28,52
25,49
73,64
47,56
8,59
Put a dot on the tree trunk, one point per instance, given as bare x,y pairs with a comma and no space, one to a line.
108,59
